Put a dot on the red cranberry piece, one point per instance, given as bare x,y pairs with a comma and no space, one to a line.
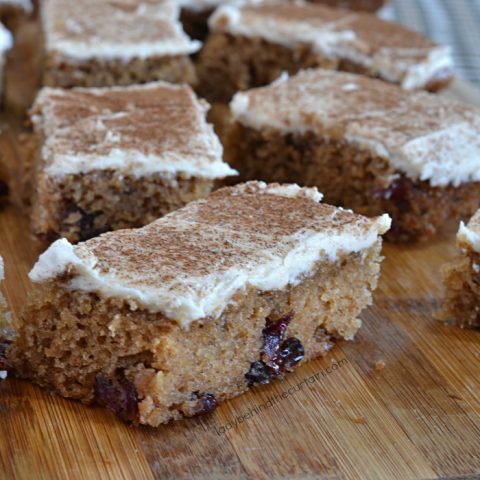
291,352
273,335
119,396
206,403
259,373
399,192
3,189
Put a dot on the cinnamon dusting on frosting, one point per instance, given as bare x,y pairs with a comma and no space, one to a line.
425,136
156,127
120,29
190,264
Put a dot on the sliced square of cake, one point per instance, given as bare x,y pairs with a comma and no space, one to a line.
119,157
170,319
251,46
96,43
366,144
462,278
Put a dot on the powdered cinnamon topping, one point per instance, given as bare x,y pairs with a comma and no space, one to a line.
157,127
119,29
382,48
424,136
191,263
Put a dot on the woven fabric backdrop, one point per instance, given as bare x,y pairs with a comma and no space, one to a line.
452,22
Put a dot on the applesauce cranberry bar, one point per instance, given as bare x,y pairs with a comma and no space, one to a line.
96,43
366,144
250,46
232,291
462,278
119,157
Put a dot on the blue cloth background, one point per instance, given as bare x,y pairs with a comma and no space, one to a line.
452,22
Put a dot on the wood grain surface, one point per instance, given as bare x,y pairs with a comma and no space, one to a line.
334,418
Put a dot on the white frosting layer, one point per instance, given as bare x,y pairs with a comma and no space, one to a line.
271,262
425,136
6,40
405,57
102,31
287,32
137,164
2,270
469,235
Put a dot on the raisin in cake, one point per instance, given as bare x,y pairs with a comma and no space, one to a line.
128,319
366,144
250,46
462,278
119,157
96,43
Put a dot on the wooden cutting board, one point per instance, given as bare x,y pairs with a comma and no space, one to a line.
419,417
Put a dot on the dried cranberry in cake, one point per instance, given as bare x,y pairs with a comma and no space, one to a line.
259,373
205,403
278,354
273,335
200,300
119,396
291,352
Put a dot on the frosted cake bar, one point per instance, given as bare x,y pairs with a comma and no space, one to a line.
251,46
223,294
462,278
96,43
366,144
119,157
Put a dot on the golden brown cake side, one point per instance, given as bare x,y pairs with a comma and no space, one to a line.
228,64
249,46
462,279
86,348
352,178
